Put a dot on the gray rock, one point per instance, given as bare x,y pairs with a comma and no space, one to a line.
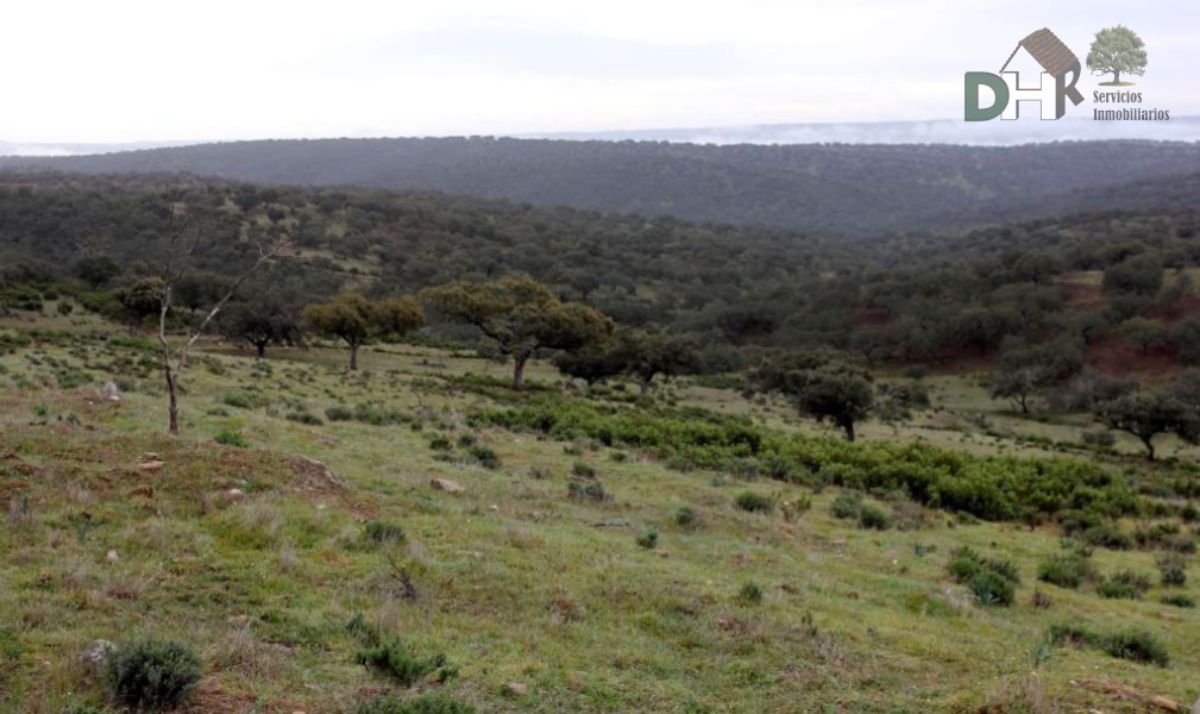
111,392
1196,707
96,655
445,484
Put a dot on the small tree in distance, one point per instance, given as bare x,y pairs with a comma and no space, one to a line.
355,320
1148,414
520,316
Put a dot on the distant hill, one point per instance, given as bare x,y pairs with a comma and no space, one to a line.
860,189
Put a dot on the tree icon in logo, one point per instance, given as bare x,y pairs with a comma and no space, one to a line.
1117,50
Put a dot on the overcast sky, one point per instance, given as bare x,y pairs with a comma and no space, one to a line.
126,70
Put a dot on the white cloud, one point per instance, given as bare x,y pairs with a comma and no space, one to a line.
130,70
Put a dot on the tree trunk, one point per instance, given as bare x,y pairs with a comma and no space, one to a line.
261,347
172,399
1149,442
519,372
353,356
849,427
1116,76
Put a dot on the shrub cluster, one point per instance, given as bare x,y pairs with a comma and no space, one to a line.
1135,645
992,488
850,506
1066,571
151,675
394,659
992,581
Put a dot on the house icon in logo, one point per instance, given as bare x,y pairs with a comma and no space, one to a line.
1039,55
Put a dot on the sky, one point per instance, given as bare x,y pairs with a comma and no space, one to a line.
131,71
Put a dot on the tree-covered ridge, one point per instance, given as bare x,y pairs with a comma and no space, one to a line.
1093,279
850,188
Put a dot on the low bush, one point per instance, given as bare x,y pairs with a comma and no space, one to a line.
226,437
648,539
1107,536
152,675
750,594
1178,601
424,704
992,581
582,469
1065,571
874,518
1134,645
586,491
685,516
1172,570
380,532
485,457
991,588
393,658
754,503
846,506
1126,585
992,488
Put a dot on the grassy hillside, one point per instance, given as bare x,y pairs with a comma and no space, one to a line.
860,189
259,551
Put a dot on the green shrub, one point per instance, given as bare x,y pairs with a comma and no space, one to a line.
754,503
485,457
648,539
393,658
1178,601
1107,536
587,491
424,704
846,506
1173,570
750,594
685,516
305,418
1134,645
992,488
439,442
1124,585
966,561
582,469
225,437
992,581
1065,571
151,675
383,532
339,413
874,518
991,588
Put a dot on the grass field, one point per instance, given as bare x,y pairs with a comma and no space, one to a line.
257,557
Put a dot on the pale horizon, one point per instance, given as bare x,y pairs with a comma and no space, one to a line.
133,71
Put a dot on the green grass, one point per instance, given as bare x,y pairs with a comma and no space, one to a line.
259,559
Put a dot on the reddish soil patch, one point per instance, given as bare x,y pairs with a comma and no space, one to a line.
1116,358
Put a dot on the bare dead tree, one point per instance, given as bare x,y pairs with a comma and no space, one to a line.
184,239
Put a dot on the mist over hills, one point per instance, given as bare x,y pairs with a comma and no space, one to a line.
850,188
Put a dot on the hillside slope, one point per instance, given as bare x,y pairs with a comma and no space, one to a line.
851,188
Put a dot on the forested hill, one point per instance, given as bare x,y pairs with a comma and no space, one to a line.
907,297
863,189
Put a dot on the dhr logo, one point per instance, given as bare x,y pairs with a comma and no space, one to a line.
1059,72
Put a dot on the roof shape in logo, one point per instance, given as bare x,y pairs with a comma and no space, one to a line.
1049,51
